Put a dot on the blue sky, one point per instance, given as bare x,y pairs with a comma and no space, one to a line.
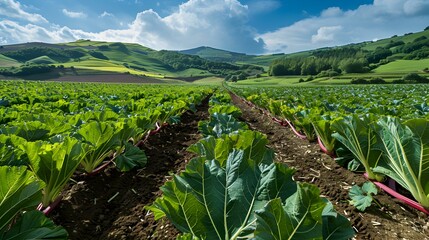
249,26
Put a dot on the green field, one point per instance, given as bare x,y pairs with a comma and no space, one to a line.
8,62
403,66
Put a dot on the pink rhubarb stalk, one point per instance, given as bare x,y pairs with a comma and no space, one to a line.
400,197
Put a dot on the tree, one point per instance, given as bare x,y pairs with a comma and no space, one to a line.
354,66
278,70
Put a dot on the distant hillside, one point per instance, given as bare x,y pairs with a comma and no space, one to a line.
355,58
85,55
219,55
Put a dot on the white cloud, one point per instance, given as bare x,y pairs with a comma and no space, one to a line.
215,23
12,31
334,26
105,14
72,14
13,9
325,34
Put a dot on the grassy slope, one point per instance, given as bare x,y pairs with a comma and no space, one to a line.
403,66
370,46
8,62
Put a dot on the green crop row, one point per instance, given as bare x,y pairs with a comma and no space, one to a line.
50,130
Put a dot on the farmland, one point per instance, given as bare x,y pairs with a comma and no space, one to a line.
134,139
120,141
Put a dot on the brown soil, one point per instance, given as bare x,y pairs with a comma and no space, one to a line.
394,221
90,210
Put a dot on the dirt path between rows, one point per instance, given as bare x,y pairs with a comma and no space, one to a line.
395,221
90,210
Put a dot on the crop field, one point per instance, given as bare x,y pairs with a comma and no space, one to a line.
103,161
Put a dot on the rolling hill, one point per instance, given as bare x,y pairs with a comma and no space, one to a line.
398,55
95,57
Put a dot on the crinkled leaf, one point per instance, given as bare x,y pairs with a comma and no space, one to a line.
225,109
299,218
131,157
100,140
359,137
362,197
335,226
54,164
19,190
220,124
35,225
253,143
10,153
212,202
406,151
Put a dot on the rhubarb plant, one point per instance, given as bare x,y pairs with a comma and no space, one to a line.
54,164
359,137
100,140
208,202
19,192
406,155
220,124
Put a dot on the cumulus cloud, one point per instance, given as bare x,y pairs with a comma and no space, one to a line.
215,23
335,26
13,9
34,33
325,34
72,14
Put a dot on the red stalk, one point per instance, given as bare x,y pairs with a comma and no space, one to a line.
323,148
400,197
51,206
295,131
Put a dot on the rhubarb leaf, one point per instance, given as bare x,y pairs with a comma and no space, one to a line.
299,218
100,140
362,197
54,164
212,202
131,157
359,137
253,143
19,190
220,124
406,151
35,225
335,226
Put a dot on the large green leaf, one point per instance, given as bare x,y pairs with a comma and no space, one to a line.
54,164
359,137
35,225
226,109
253,143
10,153
299,218
100,140
212,202
406,151
19,190
335,226
131,157
220,124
